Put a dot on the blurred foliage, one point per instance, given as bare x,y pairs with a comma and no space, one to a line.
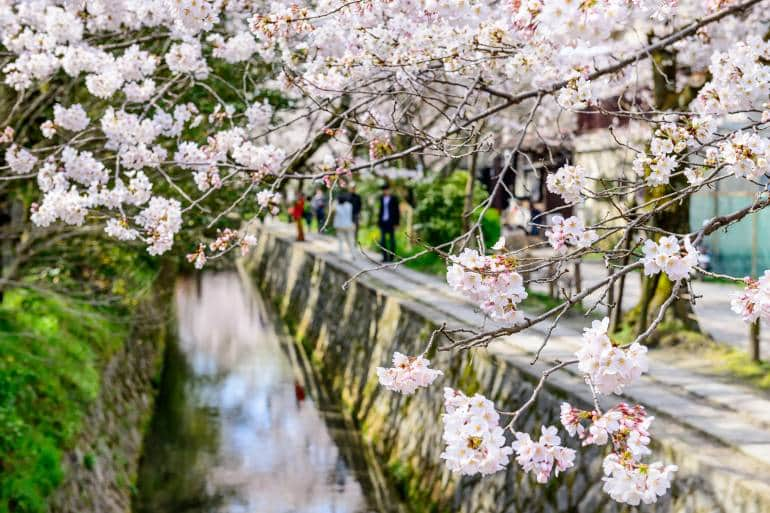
438,214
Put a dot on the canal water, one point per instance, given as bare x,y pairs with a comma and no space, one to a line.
241,425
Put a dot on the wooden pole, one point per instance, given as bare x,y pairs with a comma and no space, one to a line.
617,318
578,278
754,351
468,206
610,297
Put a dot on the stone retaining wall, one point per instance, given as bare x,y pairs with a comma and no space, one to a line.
348,333
101,468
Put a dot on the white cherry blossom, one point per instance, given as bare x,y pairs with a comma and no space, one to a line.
474,439
609,367
669,256
544,456
161,220
569,182
20,160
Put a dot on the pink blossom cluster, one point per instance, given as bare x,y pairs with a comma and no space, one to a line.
269,200
656,169
544,42
754,301
569,232
407,374
198,257
669,256
86,185
20,160
489,281
43,37
627,427
543,456
258,115
570,22
282,22
568,182
226,240
7,135
660,10
195,15
609,367
120,229
238,48
474,438
627,479
738,88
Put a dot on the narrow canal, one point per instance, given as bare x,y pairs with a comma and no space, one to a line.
240,425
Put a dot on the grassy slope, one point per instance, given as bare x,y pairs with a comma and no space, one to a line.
52,351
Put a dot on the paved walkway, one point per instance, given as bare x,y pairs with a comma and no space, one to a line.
736,415
712,308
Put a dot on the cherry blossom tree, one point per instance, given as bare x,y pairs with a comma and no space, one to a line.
157,121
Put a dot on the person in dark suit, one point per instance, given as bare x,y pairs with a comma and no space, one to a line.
387,220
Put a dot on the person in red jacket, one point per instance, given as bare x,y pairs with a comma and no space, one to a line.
297,212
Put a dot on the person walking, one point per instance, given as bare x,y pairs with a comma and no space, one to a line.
307,215
318,204
297,213
387,220
355,200
344,226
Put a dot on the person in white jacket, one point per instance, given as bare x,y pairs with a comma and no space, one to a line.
345,226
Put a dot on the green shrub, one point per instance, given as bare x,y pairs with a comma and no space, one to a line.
438,214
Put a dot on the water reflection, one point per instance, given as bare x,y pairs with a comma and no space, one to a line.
235,431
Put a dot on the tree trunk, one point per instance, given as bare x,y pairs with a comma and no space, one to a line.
675,218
